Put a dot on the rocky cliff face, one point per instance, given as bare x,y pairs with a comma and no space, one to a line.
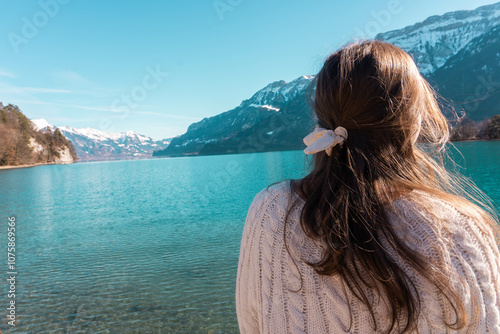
64,156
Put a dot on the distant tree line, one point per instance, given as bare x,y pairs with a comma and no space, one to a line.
467,129
19,140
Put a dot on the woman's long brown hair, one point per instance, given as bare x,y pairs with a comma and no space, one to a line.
396,139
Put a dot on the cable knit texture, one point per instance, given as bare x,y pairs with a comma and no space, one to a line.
277,292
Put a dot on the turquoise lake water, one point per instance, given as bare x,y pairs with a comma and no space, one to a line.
146,246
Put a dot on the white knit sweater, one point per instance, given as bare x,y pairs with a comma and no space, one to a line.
277,292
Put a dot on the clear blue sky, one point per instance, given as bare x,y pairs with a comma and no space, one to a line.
157,66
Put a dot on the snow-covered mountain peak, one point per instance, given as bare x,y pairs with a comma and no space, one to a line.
279,92
436,39
92,133
41,124
291,89
273,86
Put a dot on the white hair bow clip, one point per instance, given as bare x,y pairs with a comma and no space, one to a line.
324,140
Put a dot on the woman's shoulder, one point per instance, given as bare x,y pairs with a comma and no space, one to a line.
270,206
278,193
422,206
430,220
420,211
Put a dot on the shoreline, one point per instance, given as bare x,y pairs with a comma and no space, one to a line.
471,140
69,163
29,166
196,155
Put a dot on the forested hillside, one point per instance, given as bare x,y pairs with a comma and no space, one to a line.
22,144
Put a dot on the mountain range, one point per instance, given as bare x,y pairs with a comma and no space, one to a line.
92,144
458,52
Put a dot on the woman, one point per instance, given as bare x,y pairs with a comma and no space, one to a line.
379,237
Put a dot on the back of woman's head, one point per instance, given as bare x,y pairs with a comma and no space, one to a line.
375,91
396,134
